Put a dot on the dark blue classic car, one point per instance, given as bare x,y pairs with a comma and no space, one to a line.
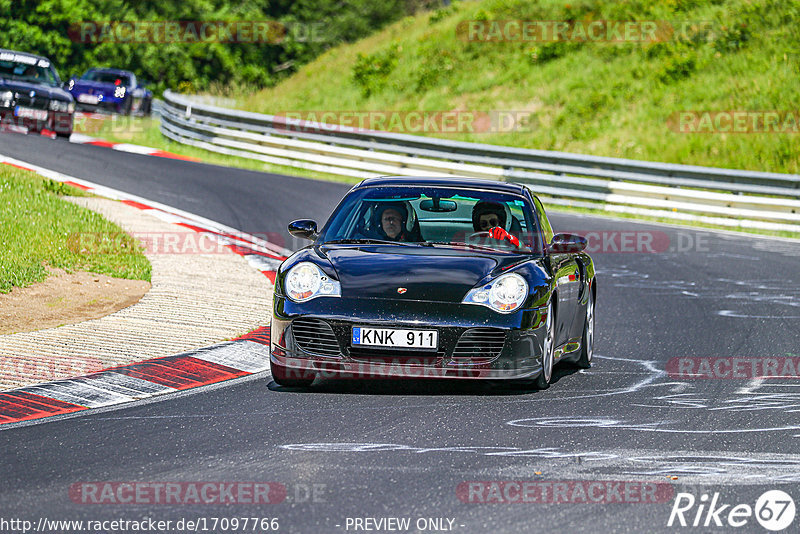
112,91
433,277
31,97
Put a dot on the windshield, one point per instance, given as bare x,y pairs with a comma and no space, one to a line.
468,219
107,77
27,68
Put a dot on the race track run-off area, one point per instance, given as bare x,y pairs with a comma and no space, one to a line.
692,404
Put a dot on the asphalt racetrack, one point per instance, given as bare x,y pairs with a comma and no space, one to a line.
625,439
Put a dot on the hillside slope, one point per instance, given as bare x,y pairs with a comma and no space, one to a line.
605,98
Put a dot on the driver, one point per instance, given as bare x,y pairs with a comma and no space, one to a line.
392,218
31,72
490,217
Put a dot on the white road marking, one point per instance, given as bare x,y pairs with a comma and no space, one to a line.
246,356
126,385
78,393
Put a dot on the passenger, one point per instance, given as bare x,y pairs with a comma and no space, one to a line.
490,217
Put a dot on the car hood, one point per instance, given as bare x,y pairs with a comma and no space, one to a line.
433,274
19,86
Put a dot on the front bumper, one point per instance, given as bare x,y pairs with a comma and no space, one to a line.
108,105
57,121
521,334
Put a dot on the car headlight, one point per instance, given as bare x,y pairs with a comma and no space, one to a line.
306,281
5,98
119,92
71,107
504,294
59,105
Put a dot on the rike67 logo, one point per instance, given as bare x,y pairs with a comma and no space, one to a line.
774,510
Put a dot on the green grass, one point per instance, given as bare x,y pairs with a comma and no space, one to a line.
145,132
41,230
607,99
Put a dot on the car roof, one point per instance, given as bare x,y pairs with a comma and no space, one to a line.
108,69
455,181
17,52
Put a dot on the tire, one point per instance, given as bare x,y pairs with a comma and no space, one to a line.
548,350
587,342
279,375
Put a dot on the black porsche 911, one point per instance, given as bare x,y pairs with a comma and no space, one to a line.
433,277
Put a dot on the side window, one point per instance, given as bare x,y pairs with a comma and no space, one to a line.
547,230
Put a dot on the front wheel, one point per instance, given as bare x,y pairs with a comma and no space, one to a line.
587,342
548,350
283,376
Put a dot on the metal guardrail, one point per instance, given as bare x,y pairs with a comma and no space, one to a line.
735,198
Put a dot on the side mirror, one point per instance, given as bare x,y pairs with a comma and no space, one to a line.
304,229
567,243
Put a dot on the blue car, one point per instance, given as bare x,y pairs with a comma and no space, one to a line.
111,91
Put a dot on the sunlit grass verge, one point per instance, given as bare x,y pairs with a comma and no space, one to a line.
146,132
39,229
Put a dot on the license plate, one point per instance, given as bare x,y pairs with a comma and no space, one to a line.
88,99
395,338
28,113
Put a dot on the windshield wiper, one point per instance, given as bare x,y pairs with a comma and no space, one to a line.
470,245
367,242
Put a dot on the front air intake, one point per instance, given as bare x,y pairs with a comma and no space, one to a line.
315,337
479,345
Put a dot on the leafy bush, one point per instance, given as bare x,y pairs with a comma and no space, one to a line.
731,38
371,71
677,65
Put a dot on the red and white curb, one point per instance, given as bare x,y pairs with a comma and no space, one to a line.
82,139
243,356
